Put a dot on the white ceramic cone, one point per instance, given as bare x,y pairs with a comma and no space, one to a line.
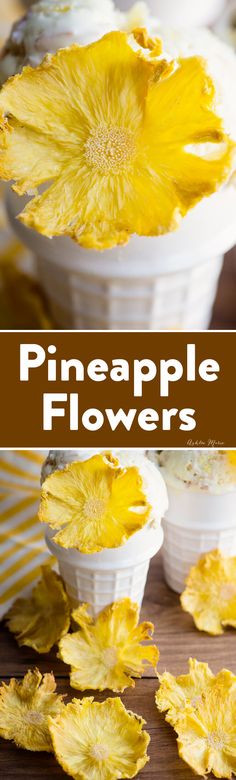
196,523
101,578
160,283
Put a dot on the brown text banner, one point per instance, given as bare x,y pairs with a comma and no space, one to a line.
117,389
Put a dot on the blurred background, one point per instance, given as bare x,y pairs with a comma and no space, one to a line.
22,304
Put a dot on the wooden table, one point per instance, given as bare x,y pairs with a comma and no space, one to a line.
177,640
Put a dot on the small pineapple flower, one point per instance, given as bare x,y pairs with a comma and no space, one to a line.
42,619
107,653
24,710
108,128
93,740
210,593
96,503
207,735
175,692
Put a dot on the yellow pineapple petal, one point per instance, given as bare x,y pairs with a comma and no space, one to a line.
96,503
144,40
42,619
24,710
190,143
210,593
93,740
107,652
41,159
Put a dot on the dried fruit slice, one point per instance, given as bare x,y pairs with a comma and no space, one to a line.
41,620
24,710
107,129
210,593
207,734
175,692
107,653
94,741
97,503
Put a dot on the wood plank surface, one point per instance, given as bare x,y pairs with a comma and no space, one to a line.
177,640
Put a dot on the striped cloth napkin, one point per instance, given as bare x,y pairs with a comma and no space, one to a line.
22,546
9,13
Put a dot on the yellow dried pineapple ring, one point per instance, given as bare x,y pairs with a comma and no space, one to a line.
210,593
201,708
24,709
107,653
207,734
93,740
175,692
108,129
97,504
42,619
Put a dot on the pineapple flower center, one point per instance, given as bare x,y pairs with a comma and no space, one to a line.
216,740
99,752
110,148
34,718
94,508
110,657
195,701
228,591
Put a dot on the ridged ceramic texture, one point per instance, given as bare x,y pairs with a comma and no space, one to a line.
101,578
181,300
100,588
183,547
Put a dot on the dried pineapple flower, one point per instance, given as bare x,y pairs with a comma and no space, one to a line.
108,128
232,457
24,710
207,734
210,593
107,653
97,503
95,741
41,620
175,692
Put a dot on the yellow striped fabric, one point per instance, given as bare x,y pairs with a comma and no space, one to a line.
9,13
22,546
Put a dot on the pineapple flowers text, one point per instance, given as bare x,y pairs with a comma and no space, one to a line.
137,373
